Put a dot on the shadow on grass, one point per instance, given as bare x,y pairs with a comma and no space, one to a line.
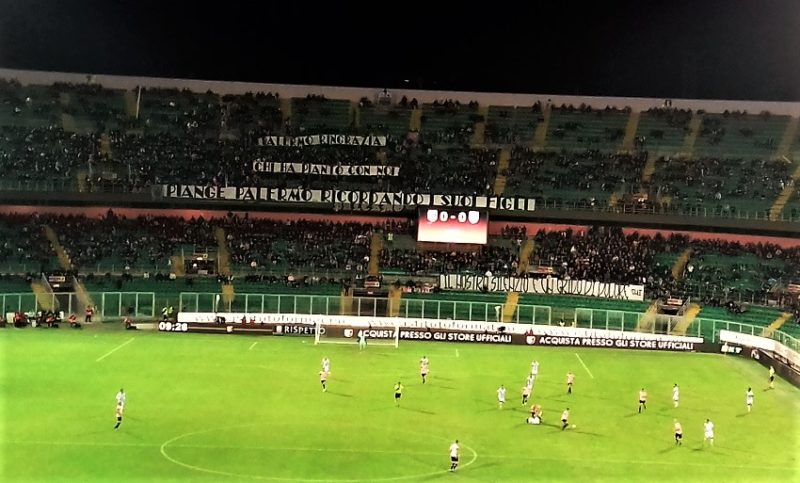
128,433
340,394
421,411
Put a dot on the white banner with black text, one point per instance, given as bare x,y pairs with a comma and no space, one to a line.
323,139
547,285
324,169
356,200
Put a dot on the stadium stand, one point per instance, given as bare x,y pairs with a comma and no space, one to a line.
586,128
588,177
68,137
714,271
87,137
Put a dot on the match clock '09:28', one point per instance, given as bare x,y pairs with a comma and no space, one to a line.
166,326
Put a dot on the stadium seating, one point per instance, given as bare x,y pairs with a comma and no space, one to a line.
385,120
588,177
91,138
584,128
715,271
719,185
315,115
662,131
512,125
448,122
748,135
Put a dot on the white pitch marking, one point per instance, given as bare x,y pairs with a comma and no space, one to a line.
253,345
115,349
584,365
201,469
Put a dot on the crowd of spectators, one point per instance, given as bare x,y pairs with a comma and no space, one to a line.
24,246
179,136
312,245
717,271
44,153
603,254
499,260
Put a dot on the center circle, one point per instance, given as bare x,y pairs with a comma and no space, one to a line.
275,452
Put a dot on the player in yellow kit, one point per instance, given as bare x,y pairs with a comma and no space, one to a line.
323,379
642,400
423,368
398,393
570,382
678,433
120,408
564,419
526,393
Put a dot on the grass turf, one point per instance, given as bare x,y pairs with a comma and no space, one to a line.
214,408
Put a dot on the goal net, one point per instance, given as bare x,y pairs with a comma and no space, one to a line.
338,334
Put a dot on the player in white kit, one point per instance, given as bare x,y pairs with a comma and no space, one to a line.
708,432
454,456
749,399
501,396
676,395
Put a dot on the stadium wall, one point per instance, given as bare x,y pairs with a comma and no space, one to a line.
423,96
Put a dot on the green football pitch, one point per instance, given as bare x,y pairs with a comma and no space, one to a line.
237,408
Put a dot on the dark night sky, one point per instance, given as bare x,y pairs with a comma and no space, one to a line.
728,49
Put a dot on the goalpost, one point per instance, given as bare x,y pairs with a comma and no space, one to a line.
337,334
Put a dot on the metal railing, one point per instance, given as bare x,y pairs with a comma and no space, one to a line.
585,317
39,185
634,209
363,306
107,304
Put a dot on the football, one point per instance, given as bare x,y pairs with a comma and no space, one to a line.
573,425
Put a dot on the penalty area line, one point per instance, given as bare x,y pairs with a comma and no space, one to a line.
584,365
115,349
252,345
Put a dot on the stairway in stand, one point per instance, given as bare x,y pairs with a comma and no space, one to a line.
540,134
479,129
375,248
691,136
631,128
502,169
224,266
788,139
785,195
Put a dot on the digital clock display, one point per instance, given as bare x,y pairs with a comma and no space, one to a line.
165,326
455,225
